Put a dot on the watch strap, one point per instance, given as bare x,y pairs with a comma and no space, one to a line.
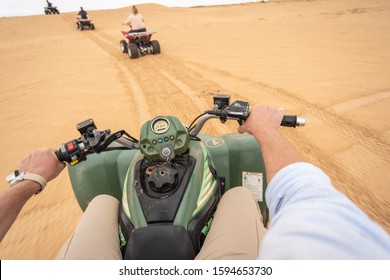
17,176
37,178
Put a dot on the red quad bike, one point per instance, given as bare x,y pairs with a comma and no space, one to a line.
139,43
84,24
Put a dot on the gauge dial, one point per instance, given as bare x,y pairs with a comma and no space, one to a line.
160,125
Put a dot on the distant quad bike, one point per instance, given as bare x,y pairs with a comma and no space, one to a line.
51,10
139,44
84,24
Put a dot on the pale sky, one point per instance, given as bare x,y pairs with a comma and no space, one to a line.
35,7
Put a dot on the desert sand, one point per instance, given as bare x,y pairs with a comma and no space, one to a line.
325,60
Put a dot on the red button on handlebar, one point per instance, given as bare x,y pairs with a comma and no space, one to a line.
70,146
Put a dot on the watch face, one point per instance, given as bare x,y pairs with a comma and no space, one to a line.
14,177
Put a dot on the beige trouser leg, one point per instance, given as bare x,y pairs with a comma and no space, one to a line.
96,236
237,228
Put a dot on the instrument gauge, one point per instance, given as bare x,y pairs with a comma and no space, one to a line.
160,125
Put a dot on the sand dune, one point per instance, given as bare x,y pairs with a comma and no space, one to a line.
326,60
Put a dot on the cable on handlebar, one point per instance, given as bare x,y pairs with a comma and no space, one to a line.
191,127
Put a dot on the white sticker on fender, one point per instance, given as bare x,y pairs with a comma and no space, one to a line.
254,181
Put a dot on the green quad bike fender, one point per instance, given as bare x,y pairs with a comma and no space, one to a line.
111,172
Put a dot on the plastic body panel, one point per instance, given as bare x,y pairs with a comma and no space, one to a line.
234,154
230,155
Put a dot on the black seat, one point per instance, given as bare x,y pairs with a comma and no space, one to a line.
160,242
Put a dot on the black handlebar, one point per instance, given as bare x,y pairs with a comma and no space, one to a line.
59,156
292,121
91,141
94,141
240,112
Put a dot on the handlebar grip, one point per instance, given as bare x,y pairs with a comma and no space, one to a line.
59,156
292,121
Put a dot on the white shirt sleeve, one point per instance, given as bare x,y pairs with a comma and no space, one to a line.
128,19
310,219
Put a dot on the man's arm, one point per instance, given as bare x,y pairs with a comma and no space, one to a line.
310,219
128,20
264,123
42,162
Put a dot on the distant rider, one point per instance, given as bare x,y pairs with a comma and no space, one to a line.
135,21
50,5
82,14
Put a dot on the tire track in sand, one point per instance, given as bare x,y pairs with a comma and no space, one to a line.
197,87
131,88
152,89
165,87
366,136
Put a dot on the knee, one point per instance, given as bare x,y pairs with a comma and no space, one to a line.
104,199
238,192
241,196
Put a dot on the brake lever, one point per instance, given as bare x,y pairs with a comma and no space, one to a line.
111,138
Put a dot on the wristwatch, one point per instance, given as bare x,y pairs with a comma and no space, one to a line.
16,177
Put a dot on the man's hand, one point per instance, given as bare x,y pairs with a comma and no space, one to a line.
42,162
262,120
264,123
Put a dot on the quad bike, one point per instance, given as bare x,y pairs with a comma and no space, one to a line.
139,43
170,181
84,24
51,10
